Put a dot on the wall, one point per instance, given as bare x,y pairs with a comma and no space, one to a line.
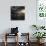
25,25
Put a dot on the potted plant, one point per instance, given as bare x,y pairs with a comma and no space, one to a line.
39,35
35,26
38,27
42,27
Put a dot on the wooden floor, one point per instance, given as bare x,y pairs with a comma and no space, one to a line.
13,44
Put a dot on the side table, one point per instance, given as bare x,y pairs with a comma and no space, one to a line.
8,34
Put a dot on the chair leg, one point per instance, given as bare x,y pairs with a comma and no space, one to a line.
5,43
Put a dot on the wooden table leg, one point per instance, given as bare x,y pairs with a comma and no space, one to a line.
5,40
17,41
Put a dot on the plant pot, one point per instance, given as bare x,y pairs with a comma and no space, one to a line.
40,41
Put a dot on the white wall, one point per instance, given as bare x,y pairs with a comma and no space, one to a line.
30,15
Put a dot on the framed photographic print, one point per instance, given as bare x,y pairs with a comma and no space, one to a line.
17,12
